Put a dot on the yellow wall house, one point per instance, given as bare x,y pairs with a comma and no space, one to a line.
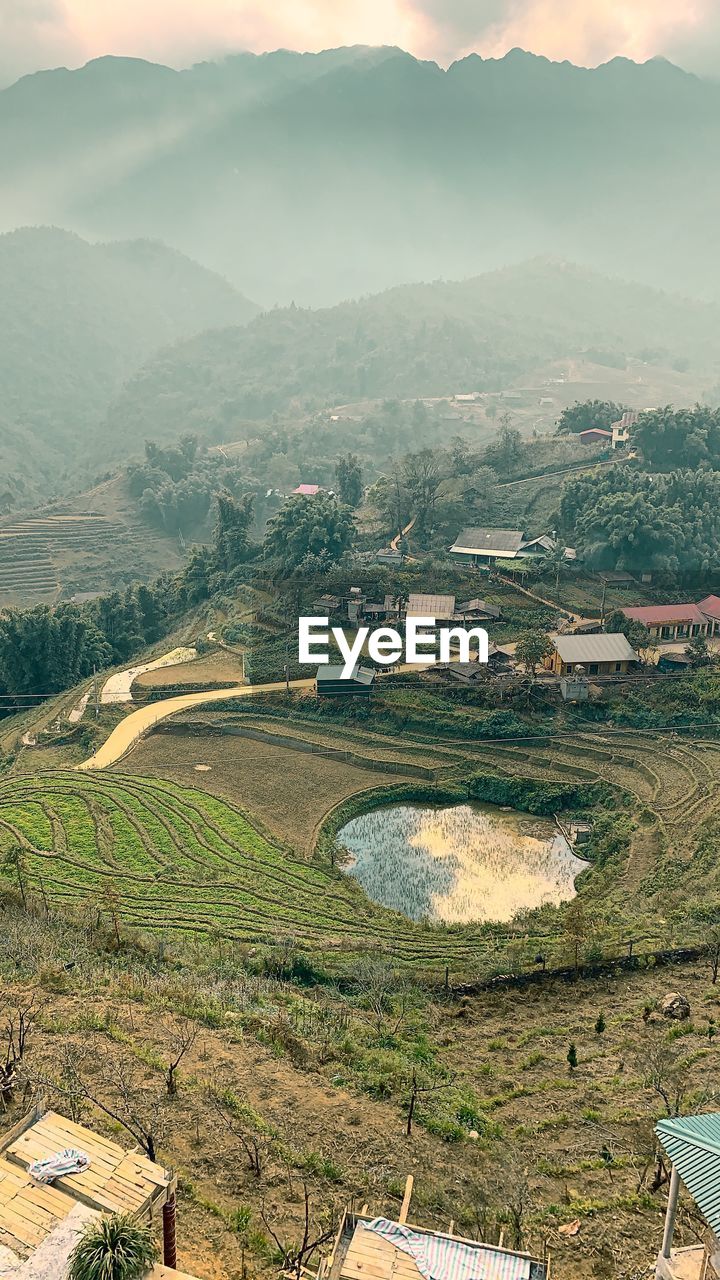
598,655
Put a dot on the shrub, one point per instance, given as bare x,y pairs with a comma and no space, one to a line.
115,1248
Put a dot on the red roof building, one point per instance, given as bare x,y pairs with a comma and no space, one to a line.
679,621
711,607
307,490
595,435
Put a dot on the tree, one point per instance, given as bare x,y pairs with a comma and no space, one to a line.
572,1057
422,477
113,1248
698,652
348,476
531,650
420,1086
505,452
670,437
183,1034
318,526
14,863
636,633
666,1071
707,917
583,415
576,928
232,532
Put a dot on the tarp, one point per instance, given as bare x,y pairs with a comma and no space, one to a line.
438,1258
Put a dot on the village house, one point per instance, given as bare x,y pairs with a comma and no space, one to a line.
444,609
441,608
667,622
329,682
620,430
485,546
477,611
471,672
595,435
600,655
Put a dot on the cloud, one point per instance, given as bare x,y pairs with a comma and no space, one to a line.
33,34
584,31
41,33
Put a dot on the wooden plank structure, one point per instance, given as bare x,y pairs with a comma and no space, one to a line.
116,1181
358,1254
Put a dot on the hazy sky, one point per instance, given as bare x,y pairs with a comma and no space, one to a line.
46,33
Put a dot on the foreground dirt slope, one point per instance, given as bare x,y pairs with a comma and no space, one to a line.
262,1111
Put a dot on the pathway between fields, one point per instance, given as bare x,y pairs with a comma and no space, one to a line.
127,733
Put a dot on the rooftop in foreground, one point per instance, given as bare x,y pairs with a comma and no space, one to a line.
368,1248
40,1223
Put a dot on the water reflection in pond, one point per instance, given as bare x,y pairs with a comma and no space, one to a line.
460,863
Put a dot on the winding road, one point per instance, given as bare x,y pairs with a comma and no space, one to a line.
134,726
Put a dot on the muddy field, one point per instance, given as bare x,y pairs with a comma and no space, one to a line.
288,791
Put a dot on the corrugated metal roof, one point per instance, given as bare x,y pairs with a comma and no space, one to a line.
479,606
426,606
693,1145
360,675
489,542
583,649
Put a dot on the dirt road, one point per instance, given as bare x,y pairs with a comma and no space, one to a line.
132,728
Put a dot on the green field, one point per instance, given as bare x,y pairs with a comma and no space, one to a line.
174,860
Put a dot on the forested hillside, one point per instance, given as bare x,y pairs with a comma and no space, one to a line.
320,177
416,340
75,320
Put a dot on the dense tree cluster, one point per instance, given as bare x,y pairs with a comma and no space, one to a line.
625,519
583,415
313,531
175,486
670,437
348,474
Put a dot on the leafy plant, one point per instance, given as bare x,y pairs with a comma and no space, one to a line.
115,1248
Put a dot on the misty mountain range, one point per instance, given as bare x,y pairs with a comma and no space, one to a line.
77,320
318,177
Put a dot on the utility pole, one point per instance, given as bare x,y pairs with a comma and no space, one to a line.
95,692
602,605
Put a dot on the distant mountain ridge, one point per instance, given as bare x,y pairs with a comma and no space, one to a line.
317,177
411,341
76,320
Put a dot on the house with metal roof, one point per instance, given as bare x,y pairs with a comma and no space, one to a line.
692,1144
477,610
330,683
442,608
601,655
483,546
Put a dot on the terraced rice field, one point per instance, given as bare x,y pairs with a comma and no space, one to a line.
181,861
31,552
674,780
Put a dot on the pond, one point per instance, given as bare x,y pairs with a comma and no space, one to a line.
461,863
